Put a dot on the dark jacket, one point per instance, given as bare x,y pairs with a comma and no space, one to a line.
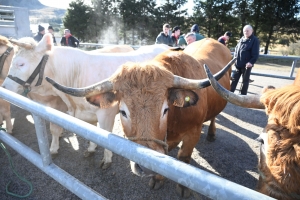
247,50
222,39
164,39
38,37
72,41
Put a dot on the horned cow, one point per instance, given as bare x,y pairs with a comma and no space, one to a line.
75,68
165,101
279,164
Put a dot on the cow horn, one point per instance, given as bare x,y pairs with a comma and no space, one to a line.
98,88
21,44
180,82
247,101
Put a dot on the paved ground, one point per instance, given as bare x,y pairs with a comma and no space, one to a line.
234,156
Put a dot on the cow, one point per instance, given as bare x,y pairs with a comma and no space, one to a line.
164,101
114,49
75,68
6,52
279,164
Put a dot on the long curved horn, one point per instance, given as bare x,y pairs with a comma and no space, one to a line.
247,101
98,88
185,83
21,44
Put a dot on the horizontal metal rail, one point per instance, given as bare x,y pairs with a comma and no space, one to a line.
194,178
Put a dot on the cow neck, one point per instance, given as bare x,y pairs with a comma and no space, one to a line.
39,70
274,183
4,56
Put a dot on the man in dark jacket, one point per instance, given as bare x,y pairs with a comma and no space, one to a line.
246,52
69,39
39,35
164,37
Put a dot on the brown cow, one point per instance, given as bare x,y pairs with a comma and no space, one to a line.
158,107
279,165
6,55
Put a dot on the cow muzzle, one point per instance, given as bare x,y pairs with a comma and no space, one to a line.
141,170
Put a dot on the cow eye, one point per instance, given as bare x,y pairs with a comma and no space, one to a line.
166,110
123,113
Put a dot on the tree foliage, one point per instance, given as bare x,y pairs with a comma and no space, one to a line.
138,22
77,19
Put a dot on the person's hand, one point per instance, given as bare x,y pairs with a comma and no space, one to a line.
248,65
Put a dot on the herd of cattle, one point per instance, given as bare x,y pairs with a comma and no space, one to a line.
163,97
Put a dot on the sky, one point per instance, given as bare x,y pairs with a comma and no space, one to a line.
65,3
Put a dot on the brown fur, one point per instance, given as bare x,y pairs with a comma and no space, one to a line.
145,86
281,168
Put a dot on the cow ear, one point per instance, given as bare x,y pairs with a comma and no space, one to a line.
104,100
182,98
45,44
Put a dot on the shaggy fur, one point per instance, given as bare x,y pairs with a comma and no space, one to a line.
281,169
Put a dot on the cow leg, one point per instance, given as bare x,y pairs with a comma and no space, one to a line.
92,146
56,132
9,125
156,182
184,154
211,133
106,119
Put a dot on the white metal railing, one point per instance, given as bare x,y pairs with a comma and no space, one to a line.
196,179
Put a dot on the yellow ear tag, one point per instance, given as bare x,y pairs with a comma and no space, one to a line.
187,98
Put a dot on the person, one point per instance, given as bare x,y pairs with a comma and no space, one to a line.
175,35
164,37
51,30
246,52
69,39
190,38
223,39
181,41
195,29
39,35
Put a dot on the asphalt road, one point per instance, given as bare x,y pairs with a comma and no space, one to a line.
234,156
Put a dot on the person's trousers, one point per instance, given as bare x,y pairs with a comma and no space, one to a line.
235,76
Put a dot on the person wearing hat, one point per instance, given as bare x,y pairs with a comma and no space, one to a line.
195,29
175,35
51,30
223,39
164,37
69,39
39,35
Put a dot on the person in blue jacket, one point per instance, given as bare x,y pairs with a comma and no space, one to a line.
246,52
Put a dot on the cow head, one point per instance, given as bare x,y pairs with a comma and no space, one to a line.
146,93
279,165
6,54
26,59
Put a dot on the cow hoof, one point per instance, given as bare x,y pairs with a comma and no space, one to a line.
155,183
88,153
53,152
104,165
210,138
183,191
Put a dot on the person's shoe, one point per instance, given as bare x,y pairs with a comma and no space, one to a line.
250,80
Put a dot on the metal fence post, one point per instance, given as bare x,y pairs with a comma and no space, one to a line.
41,133
293,67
